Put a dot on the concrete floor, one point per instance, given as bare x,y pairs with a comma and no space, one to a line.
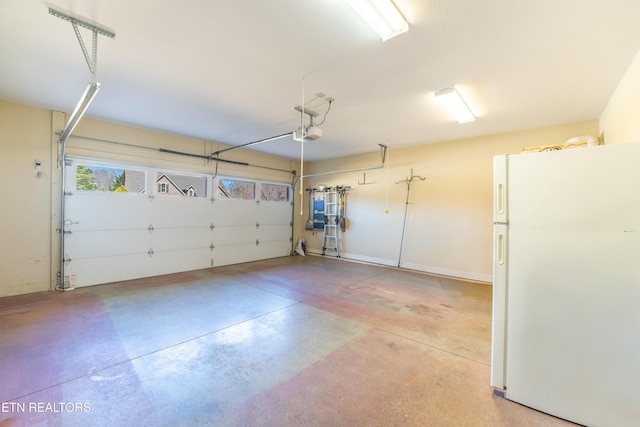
294,341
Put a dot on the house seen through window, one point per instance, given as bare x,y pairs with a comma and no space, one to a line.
173,184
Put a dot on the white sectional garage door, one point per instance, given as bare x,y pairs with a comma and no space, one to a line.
127,222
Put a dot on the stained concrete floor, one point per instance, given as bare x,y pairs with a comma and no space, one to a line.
294,341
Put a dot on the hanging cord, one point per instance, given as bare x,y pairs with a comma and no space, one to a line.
406,208
325,114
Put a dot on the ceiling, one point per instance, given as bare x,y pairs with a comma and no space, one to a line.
232,71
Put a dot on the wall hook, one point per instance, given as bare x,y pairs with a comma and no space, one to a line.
364,180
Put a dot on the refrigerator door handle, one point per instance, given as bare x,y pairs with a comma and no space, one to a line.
500,249
500,201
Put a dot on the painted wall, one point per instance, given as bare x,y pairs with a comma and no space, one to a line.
620,120
449,215
25,210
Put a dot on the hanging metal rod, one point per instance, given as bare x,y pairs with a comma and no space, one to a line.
92,62
88,95
383,155
248,144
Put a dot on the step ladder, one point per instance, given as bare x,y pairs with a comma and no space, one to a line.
330,235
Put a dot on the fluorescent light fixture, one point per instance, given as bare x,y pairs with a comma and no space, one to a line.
452,100
88,95
382,16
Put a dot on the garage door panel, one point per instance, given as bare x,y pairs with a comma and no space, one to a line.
106,243
94,211
270,211
235,254
181,212
181,238
274,232
234,235
165,262
99,270
235,212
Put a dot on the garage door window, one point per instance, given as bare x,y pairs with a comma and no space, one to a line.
110,179
172,184
235,189
274,192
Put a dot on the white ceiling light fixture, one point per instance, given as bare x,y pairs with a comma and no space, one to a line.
381,15
453,102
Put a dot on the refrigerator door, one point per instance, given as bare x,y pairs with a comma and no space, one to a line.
574,284
498,331
500,240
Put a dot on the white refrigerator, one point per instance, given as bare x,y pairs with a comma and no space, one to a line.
566,291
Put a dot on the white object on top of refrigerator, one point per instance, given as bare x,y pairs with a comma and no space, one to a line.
566,308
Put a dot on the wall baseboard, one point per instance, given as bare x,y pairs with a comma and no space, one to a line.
466,275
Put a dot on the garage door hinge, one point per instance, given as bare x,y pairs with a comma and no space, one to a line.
211,247
257,202
68,193
150,252
66,260
212,226
212,200
257,224
150,228
257,242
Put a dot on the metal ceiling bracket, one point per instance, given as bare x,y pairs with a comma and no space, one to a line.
92,61
86,24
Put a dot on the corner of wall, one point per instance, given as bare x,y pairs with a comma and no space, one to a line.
620,119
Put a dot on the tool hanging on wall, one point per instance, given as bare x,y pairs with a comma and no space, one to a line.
327,212
342,220
408,181
315,220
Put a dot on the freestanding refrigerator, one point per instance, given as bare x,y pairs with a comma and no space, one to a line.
566,291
